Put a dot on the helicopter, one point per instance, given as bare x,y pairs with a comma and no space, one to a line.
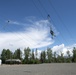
51,30
52,34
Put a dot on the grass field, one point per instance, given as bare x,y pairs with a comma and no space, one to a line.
39,69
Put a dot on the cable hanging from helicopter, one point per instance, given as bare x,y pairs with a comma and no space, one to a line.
51,28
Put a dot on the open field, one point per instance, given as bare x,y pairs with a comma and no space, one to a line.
39,69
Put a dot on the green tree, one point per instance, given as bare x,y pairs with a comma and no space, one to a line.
74,54
3,55
37,61
8,54
43,57
26,55
54,57
18,54
60,58
49,55
32,55
69,57
36,53
32,59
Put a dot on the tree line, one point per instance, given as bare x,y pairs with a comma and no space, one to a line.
31,56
